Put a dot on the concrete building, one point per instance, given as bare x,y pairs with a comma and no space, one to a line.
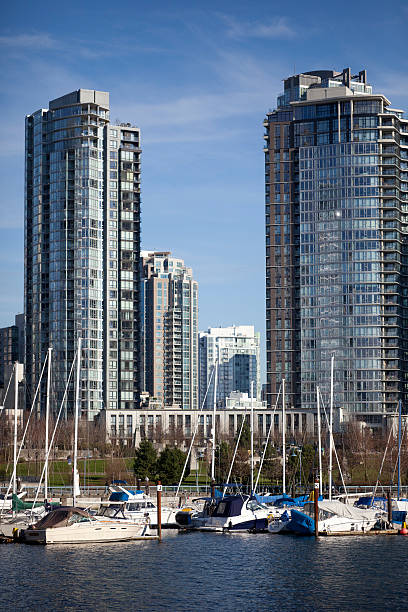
169,307
336,168
174,425
11,345
82,243
237,349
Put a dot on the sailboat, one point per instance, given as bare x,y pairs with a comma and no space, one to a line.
334,517
73,525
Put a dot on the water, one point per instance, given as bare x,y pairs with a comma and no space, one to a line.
200,571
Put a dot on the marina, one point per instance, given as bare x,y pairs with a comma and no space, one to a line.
204,570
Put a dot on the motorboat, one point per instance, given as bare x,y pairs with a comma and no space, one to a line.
334,516
70,525
278,524
193,516
230,513
136,505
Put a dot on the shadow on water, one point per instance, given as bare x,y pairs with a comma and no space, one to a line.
197,571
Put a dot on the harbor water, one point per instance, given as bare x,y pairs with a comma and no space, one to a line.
203,571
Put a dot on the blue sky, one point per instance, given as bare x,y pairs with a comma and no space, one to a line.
197,78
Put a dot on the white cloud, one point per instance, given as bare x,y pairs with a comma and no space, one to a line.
275,28
28,41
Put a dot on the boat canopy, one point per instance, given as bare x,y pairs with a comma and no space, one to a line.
345,510
230,506
119,496
61,517
270,499
369,501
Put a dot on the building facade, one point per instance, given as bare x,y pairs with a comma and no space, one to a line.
176,426
336,169
11,346
237,349
82,245
169,306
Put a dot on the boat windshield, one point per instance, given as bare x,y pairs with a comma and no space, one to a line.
111,511
254,505
79,518
323,514
135,506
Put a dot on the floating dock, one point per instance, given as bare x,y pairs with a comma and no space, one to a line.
373,532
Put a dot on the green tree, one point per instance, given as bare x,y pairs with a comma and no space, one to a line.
245,439
223,457
145,460
309,461
272,465
170,465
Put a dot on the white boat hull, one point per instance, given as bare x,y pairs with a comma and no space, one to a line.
85,533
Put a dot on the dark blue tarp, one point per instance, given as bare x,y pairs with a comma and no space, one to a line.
118,496
368,500
399,516
269,499
229,506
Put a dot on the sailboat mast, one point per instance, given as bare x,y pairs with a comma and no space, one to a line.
331,427
399,446
15,428
283,438
78,372
319,439
47,419
213,421
252,436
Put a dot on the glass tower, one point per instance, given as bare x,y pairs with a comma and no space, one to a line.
336,170
169,302
237,350
82,243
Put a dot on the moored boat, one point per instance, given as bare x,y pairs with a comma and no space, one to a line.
136,505
334,516
232,513
70,525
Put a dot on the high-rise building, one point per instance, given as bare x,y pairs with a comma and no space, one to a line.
237,350
82,249
11,346
336,167
169,330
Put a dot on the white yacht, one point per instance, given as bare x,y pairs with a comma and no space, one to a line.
70,525
135,505
231,513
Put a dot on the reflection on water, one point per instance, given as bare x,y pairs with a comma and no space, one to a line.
197,571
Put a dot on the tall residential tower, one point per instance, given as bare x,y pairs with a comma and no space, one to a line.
169,330
82,244
336,169
237,349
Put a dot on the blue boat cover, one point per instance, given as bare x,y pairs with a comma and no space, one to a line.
270,499
118,496
368,501
229,506
399,516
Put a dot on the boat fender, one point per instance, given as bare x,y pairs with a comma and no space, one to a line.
403,531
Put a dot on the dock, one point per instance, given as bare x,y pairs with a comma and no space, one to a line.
373,532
